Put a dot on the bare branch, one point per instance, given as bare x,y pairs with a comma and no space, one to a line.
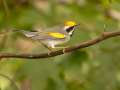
11,81
103,36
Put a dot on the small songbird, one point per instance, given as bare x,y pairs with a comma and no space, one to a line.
55,36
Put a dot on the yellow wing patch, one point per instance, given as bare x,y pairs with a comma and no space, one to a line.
56,35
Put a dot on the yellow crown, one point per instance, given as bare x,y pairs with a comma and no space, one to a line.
70,23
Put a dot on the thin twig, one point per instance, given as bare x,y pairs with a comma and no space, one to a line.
11,80
103,36
7,20
6,9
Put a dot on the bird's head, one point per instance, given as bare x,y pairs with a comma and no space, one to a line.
70,26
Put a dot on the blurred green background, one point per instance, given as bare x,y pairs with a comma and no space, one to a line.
93,68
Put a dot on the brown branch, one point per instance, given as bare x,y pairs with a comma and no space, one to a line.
103,36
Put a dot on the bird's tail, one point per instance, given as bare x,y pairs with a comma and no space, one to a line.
26,33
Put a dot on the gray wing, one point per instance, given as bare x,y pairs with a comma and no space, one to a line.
39,35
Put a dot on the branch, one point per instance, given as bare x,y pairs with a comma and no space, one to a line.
103,36
11,80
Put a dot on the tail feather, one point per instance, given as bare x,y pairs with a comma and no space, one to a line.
29,34
34,34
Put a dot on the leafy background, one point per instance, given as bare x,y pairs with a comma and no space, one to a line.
93,68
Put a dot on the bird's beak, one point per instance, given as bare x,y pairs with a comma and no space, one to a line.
77,26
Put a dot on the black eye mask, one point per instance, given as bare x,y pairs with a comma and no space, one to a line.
69,29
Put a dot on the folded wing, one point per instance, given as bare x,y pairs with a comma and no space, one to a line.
43,35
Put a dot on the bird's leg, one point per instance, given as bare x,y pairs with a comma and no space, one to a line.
62,47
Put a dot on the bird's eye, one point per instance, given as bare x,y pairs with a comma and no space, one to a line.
70,29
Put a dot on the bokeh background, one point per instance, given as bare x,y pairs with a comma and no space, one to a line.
93,68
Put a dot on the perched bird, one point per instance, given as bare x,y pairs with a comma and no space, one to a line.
55,36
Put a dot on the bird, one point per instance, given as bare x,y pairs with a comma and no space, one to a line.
53,37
